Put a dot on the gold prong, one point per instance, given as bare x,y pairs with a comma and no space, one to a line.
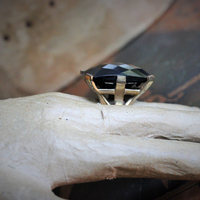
107,91
132,91
119,90
144,88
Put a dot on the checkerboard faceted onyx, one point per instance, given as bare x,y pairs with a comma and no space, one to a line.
105,75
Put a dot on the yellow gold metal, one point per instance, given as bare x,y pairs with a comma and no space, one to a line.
119,90
107,91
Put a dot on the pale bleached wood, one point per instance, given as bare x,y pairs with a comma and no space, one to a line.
55,139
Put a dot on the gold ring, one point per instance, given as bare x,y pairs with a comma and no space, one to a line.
117,83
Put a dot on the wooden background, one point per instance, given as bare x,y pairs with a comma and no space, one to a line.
169,49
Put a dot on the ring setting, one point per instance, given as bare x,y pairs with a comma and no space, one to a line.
117,83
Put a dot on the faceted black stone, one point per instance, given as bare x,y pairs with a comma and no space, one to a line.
105,76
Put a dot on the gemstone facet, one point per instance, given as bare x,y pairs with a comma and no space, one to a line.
105,75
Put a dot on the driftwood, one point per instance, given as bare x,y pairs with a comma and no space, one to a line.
56,139
45,44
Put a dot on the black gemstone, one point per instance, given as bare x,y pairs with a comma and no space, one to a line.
105,76
105,82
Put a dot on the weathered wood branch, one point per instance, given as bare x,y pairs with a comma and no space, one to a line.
54,139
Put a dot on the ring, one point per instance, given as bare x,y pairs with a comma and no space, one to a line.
118,83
